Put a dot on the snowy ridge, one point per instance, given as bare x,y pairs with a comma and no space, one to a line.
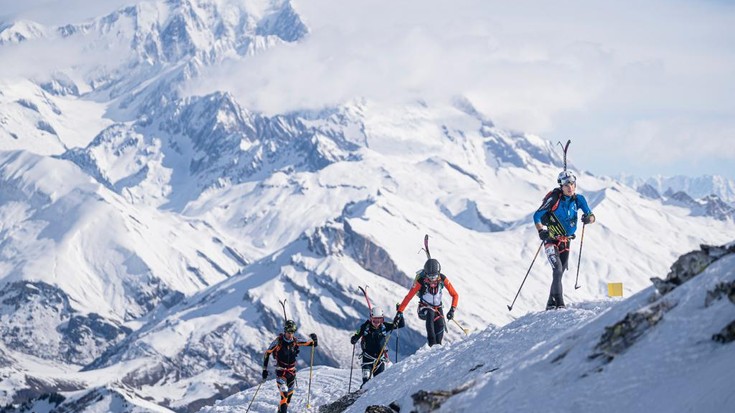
556,357
148,236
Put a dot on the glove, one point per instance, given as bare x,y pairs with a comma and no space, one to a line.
398,320
354,339
544,235
313,338
588,219
265,374
450,314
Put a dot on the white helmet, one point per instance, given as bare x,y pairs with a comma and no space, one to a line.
566,177
377,316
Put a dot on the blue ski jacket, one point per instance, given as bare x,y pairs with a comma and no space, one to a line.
565,210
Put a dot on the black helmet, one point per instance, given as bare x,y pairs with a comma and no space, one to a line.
290,326
432,267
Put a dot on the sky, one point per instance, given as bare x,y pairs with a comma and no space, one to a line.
640,89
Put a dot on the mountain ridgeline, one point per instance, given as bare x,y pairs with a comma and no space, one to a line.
148,234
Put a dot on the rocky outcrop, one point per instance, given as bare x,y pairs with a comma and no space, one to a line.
71,337
623,334
690,265
343,239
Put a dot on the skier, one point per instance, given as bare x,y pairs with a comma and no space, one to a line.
372,335
558,214
285,348
429,284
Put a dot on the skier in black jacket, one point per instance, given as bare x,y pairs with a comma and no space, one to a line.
373,335
285,349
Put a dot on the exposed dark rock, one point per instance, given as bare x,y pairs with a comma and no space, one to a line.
428,401
39,389
342,403
690,265
81,337
717,208
623,334
726,335
648,191
331,239
720,290
379,409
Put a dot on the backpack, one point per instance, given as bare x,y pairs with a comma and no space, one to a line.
288,346
550,204
424,286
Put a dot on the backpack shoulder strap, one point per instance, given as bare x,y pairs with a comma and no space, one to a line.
551,200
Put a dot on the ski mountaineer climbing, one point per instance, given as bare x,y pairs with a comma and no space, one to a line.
285,348
429,284
372,335
558,214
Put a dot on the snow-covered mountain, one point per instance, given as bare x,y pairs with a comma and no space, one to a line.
714,195
148,236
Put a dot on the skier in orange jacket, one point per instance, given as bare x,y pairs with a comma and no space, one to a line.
429,285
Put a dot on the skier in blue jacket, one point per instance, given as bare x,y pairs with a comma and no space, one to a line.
556,222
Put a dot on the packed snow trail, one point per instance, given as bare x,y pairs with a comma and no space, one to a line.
460,362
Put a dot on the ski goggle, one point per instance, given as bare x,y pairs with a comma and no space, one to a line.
376,321
290,329
568,180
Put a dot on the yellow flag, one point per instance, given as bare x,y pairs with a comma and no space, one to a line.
615,289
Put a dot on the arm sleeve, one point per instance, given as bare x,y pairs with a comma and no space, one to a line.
301,341
546,204
360,331
409,296
452,292
582,204
268,352
537,216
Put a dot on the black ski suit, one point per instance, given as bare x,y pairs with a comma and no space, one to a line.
372,341
285,352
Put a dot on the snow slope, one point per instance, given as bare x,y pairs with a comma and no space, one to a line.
552,361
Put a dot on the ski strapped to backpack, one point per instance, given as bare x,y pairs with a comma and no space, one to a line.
565,148
283,304
367,299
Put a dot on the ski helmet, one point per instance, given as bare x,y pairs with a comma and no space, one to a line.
432,267
566,177
290,326
377,316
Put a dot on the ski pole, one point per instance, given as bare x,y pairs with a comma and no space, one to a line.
311,365
510,307
581,243
380,355
460,326
253,399
394,325
396,346
352,365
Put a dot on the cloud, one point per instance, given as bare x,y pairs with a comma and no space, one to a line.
659,71
38,59
58,12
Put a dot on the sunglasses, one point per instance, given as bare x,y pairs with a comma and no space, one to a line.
377,321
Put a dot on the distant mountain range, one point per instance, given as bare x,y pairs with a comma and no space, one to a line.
147,237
